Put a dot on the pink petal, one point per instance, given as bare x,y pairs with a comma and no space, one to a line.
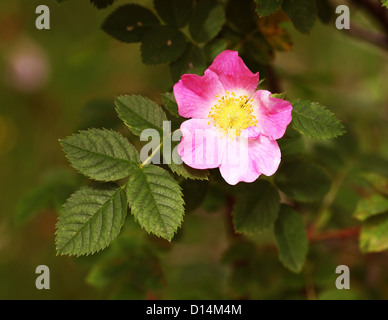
201,146
273,114
234,74
251,158
196,95
251,133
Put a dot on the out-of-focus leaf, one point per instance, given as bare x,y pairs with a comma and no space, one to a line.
291,145
267,7
53,190
374,234
215,47
325,10
278,37
132,273
258,48
302,180
207,20
214,200
194,193
98,113
371,206
174,12
101,4
377,181
232,38
291,239
336,294
193,61
302,13
129,22
279,95
257,208
240,15
373,162
162,44
328,157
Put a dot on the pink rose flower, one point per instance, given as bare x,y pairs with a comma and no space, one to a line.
233,127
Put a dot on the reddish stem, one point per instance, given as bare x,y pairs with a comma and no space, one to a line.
229,217
342,234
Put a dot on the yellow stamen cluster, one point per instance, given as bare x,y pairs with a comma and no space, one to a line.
232,114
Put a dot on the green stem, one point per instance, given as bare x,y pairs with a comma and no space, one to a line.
148,160
324,214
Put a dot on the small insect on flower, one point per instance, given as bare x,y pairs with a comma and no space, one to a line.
233,127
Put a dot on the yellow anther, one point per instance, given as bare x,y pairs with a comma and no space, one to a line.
233,114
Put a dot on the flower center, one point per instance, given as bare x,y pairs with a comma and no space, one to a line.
232,114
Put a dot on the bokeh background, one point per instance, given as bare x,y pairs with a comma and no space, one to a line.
54,82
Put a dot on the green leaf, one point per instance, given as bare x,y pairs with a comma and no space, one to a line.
329,157
302,13
140,113
101,4
183,170
337,295
98,113
377,182
129,22
189,173
102,155
291,239
371,206
194,194
258,48
155,199
240,15
292,145
374,234
267,7
256,209
302,180
175,12
207,20
215,199
315,121
90,220
49,193
279,95
325,10
384,3
170,104
162,45
193,60
132,272
213,48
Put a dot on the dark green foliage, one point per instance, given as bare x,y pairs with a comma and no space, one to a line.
174,12
129,22
162,45
207,20
102,4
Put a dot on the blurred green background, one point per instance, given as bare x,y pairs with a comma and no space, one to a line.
54,82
